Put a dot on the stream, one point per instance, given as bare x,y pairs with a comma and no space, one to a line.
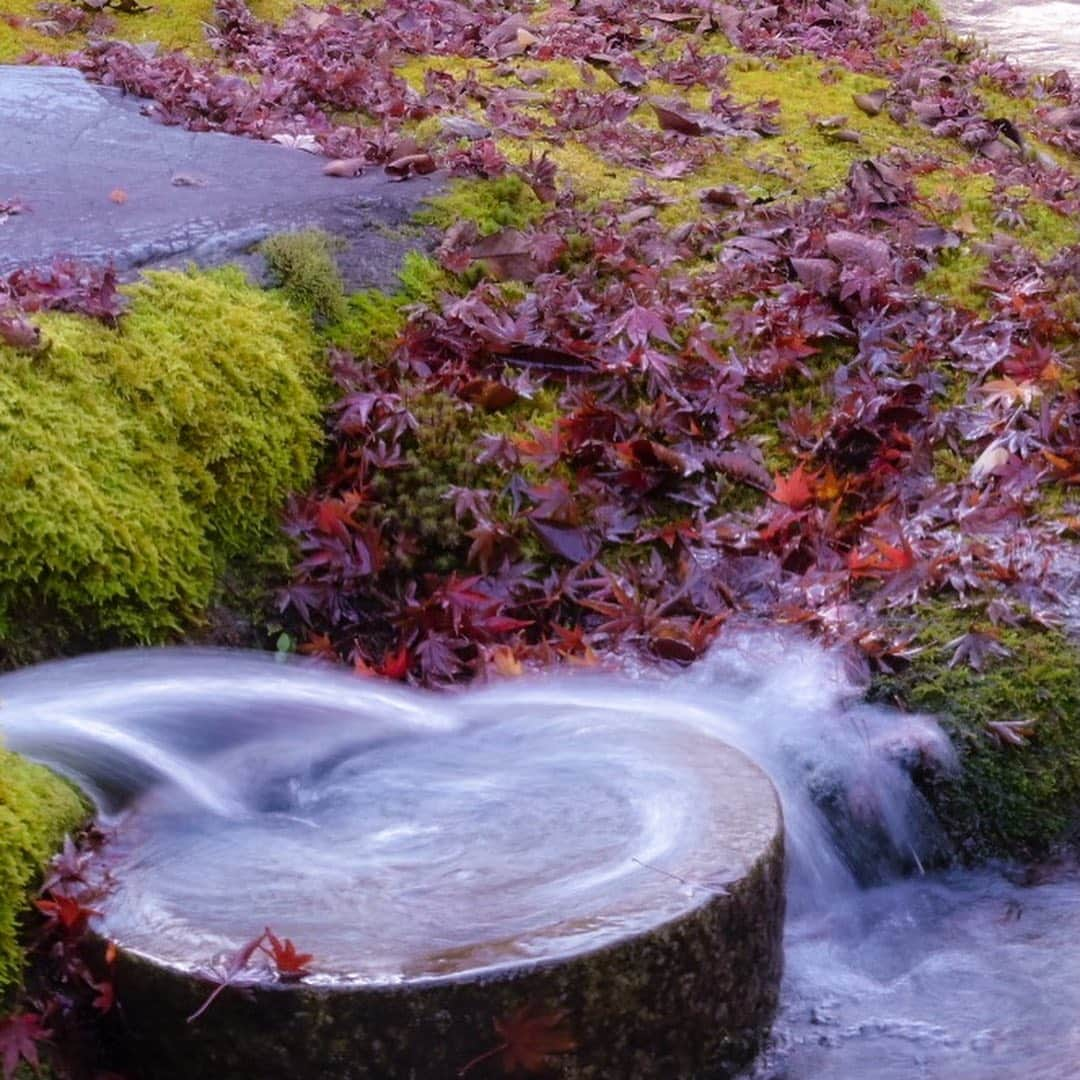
257,771
1040,34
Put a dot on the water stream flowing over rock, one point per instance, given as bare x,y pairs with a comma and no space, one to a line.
432,848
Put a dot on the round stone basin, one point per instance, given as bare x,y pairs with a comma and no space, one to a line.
622,871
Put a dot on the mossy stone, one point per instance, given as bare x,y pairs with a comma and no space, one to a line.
1005,799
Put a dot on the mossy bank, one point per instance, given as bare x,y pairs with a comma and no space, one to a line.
1015,725
137,462
36,810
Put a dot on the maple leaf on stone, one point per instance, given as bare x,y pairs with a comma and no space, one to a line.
290,965
530,1038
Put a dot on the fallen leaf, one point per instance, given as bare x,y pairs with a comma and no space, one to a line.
507,256
855,249
20,333
410,165
994,457
1010,732
290,965
345,167
871,103
531,1037
118,196
19,1036
796,490
671,118
191,180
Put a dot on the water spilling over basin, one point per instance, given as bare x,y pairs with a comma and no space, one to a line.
524,838
584,845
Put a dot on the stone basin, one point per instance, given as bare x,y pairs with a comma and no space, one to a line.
625,873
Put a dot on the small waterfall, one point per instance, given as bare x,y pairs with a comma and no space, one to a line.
240,784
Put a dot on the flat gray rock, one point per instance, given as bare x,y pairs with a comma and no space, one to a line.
69,145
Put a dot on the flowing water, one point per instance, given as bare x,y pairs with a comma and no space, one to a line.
1042,34
240,787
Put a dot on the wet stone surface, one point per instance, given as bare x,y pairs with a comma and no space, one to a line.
103,181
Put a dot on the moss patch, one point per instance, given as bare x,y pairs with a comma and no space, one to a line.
134,463
36,810
302,264
1008,799
173,24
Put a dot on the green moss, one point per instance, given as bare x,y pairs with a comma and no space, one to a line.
36,810
302,264
1006,800
963,201
172,24
135,462
803,156
958,278
414,499
372,319
505,202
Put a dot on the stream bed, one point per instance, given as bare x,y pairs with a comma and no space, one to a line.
953,976
890,973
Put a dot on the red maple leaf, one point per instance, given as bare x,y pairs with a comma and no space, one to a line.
66,912
290,965
530,1037
884,559
19,1036
796,490
395,665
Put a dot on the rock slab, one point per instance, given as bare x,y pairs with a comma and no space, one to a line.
105,182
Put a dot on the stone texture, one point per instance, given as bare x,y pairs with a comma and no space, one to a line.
692,997
69,145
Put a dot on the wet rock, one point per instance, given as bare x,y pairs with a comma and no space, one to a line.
689,993
102,181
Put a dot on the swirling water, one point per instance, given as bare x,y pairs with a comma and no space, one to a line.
441,833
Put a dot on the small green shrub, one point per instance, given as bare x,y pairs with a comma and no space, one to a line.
302,264
414,499
134,463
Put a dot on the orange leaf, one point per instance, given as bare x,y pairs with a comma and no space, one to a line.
531,1037
290,965
796,490
505,662
885,559
118,196
395,665
67,911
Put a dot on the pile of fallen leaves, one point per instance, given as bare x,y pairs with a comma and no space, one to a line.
646,513
63,285
754,410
